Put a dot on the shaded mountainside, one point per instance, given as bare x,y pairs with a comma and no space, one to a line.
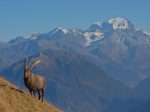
75,83
143,108
121,49
12,99
128,55
143,87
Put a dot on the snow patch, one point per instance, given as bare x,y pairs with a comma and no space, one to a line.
119,23
65,30
98,23
147,33
91,37
33,36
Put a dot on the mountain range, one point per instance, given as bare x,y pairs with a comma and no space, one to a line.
99,69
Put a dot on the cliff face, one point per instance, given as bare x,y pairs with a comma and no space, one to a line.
12,99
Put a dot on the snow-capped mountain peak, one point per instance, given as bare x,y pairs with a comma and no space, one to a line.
120,23
95,27
141,32
100,26
64,30
147,33
91,37
96,32
99,23
33,36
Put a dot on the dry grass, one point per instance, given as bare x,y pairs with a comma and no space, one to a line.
13,99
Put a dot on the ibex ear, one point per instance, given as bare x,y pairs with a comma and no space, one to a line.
35,63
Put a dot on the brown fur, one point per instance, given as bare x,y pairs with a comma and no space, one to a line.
34,82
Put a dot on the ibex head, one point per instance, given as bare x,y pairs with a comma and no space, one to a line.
28,70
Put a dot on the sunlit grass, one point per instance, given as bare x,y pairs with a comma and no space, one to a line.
13,99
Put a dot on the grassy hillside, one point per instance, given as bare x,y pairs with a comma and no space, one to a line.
13,99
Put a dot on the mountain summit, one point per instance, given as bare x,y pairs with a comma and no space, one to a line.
121,23
95,32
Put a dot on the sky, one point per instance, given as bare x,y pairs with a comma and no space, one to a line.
25,17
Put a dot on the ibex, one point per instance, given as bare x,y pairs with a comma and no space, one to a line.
34,82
